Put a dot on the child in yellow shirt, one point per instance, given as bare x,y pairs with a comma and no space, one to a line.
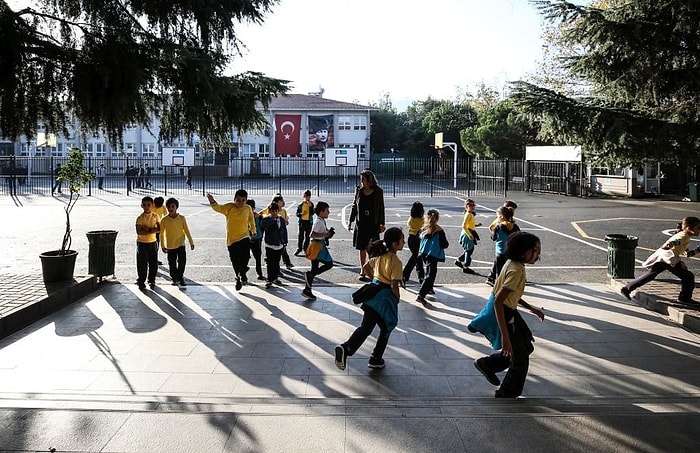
147,226
173,229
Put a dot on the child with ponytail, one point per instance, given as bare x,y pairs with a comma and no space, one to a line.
386,270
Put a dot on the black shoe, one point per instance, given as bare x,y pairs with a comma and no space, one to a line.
626,292
364,278
160,263
141,285
688,301
468,270
244,280
421,299
268,285
376,363
402,284
491,377
298,253
277,282
501,394
289,265
459,264
174,283
340,356
239,285
152,285
489,282
183,282
308,294
260,277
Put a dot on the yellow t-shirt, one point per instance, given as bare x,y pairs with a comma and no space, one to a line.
414,225
149,220
162,211
173,231
240,222
469,223
683,240
387,268
512,279
305,210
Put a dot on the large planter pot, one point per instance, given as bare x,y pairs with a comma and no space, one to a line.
56,267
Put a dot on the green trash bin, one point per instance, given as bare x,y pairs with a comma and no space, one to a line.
621,255
101,254
693,191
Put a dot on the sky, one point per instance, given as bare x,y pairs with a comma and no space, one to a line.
359,50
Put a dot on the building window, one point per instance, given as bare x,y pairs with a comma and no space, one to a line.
57,150
344,123
360,123
263,150
148,149
25,149
98,149
130,149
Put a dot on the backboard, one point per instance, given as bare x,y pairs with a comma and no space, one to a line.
341,157
177,157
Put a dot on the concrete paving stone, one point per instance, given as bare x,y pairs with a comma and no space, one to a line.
29,430
288,433
173,432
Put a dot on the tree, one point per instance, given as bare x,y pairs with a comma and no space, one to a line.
384,124
641,60
450,118
115,63
500,133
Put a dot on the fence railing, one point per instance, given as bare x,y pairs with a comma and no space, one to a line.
399,176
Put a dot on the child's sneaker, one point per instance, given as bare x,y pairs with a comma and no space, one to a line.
490,282
298,253
490,376
289,265
459,264
183,282
308,294
376,363
468,270
421,299
278,282
340,356
260,277
268,285
239,285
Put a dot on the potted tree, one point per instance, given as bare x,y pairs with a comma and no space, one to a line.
58,265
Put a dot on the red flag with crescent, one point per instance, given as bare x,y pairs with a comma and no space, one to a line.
287,135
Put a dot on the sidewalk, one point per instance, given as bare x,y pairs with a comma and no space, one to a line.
207,368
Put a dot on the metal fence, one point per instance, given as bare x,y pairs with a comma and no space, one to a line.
399,176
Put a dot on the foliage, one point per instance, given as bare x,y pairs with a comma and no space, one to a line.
112,64
641,59
73,174
450,118
499,134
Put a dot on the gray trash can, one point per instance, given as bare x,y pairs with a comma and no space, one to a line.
621,255
101,254
693,191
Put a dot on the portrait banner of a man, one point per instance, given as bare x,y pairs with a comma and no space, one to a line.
320,132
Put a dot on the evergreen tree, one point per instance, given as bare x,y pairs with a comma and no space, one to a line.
115,63
642,61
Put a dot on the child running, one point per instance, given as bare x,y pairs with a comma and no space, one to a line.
415,223
240,224
433,243
505,226
658,262
321,259
508,331
275,229
173,229
256,240
305,214
468,237
147,226
382,310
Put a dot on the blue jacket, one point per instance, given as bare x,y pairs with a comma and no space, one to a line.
433,245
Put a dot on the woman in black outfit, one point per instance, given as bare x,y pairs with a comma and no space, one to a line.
368,215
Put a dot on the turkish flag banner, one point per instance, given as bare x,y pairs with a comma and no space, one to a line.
287,135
